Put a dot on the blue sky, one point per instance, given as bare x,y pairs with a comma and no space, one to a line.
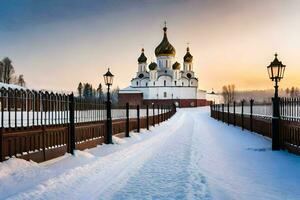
57,43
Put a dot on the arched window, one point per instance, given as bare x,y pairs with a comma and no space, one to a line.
146,84
154,83
137,83
165,94
166,63
182,84
175,83
165,82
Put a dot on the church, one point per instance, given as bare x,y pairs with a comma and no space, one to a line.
164,81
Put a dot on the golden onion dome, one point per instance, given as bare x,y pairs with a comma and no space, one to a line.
165,48
152,66
188,56
142,58
176,66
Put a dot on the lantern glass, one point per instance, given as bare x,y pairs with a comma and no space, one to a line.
276,70
282,71
108,78
270,72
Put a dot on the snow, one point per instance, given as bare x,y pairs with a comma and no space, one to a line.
11,86
191,156
34,118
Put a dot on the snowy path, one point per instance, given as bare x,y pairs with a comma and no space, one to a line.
189,157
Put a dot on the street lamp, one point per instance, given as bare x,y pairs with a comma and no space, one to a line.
108,79
276,71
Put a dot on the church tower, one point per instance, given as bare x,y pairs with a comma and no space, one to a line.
142,62
153,72
176,72
165,52
188,61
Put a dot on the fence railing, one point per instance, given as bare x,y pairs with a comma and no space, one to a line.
39,125
290,109
258,118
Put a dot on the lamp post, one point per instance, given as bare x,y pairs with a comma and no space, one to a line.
108,79
276,72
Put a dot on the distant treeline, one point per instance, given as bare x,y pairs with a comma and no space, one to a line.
7,73
230,94
87,91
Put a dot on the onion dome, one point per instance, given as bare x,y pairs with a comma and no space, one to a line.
188,56
176,66
142,58
153,66
165,48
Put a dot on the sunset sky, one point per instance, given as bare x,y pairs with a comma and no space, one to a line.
58,43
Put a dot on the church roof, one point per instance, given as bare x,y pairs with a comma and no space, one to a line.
188,56
165,48
176,66
152,66
142,58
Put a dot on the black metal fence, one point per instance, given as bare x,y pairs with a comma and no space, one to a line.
28,108
290,109
41,125
257,117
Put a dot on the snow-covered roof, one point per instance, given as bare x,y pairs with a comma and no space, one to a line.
11,86
129,90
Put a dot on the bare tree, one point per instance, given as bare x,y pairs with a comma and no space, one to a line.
21,81
79,88
115,95
100,91
228,93
297,92
8,70
287,91
1,71
294,92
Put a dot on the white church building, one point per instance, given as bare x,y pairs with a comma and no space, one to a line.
164,81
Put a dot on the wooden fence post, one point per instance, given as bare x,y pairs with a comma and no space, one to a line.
71,138
223,118
127,120
147,113
138,118
251,115
1,145
153,115
242,114
158,119
234,122
163,113
228,114
218,111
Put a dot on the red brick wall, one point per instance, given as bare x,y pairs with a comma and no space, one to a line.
158,101
203,102
188,103
137,99
182,102
132,99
